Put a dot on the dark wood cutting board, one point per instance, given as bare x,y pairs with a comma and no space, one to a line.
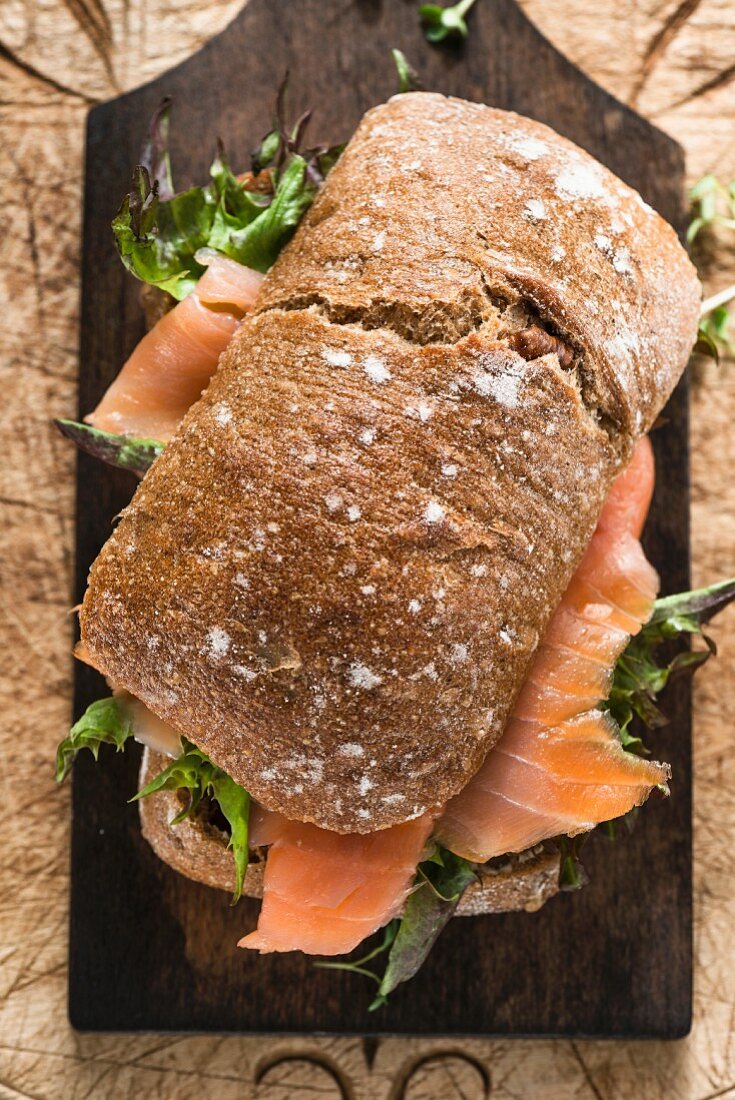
150,949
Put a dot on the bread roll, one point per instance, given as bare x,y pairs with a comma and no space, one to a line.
334,578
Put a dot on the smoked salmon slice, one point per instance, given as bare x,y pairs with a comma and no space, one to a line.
324,892
559,767
629,499
173,363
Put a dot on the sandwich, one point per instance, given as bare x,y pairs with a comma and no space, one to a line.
378,609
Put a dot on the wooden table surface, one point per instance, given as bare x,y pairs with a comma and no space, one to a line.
675,62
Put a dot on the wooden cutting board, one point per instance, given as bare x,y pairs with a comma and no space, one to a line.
151,950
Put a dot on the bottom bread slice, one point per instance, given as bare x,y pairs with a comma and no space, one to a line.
197,848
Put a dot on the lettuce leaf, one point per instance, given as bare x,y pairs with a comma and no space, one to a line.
256,233
124,451
103,723
428,909
106,722
249,218
157,240
641,674
194,771
408,79
445,23
155,155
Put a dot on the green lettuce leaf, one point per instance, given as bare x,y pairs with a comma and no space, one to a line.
106,722
706,344
256,234
713,203
194,771
428,910
408,79
103,723
442,23
157,240
159,232
641,675
124,451
713,335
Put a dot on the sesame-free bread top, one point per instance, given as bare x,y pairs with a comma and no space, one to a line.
335,576
439,210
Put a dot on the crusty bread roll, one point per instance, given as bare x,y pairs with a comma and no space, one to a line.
334,578
197,848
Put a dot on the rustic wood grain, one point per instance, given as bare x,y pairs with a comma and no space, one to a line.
50,70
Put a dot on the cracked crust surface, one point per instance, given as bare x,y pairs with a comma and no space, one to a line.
440,209
334,578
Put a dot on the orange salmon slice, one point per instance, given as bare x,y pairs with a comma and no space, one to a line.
173,363
325,892
559,767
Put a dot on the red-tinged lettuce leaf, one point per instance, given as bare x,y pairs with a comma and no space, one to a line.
685,612
155,155
157,240
428,910
159,232
641,675
123,451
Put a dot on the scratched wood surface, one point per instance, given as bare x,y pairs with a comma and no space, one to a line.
675,62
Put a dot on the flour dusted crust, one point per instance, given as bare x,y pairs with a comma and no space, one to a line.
198,849
334,578
439,210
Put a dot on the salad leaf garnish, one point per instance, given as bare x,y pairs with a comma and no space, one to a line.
155,155
428,909
639,676
194,771
124,451
249,217
572,875
157,239
408,79
103,723
106,722
713,335
441,23
713,203
256,233
706,343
